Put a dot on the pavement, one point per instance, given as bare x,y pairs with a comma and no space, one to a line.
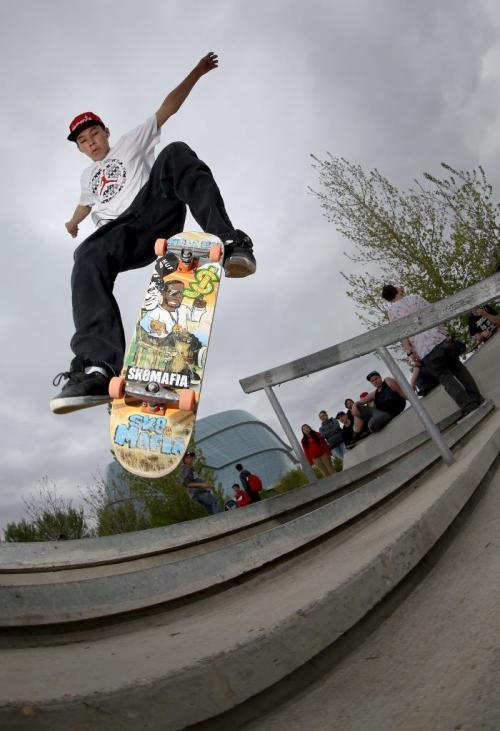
434,664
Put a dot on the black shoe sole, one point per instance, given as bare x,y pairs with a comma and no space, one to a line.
237,267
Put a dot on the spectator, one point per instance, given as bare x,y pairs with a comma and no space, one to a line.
317,450
198,489
435,351
241,497
245,479
483,323
357,427
366,419
331,432
388,395
347,421
422,381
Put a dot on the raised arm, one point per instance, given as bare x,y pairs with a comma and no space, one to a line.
173,102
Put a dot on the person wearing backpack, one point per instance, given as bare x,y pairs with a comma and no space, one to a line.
252,484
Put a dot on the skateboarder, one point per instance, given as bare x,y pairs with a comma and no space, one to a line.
133,200
198,489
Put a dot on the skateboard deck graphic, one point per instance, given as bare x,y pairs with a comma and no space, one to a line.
156,396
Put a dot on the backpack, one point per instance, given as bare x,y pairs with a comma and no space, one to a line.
254,483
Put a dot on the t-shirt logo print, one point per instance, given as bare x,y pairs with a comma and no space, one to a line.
108,180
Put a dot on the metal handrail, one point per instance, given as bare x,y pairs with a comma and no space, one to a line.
437,313
374,340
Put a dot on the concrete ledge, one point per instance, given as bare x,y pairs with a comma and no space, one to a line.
76,595
201,660
63,555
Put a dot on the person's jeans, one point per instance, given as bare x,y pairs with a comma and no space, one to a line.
178,179
446,367
208,500
374,419
339,450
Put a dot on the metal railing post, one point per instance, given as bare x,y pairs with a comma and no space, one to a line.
422,414
308,470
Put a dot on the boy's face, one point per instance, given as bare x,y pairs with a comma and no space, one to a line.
93,142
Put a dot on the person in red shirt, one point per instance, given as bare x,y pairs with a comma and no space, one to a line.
241,497
317,451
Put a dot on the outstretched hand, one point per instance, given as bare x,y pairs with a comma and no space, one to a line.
207,63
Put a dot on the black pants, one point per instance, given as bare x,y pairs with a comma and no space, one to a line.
447,368
178,179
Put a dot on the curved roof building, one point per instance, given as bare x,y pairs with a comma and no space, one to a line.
236,436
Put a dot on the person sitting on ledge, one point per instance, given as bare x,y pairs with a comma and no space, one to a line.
366,419
388,395
347,421
483,322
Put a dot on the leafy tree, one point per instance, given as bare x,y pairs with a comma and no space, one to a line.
432,240
20,532
51,518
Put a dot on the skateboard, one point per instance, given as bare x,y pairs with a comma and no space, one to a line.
156,395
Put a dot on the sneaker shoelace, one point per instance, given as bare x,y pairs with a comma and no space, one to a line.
70,376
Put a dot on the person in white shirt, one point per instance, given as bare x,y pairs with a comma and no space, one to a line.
133,200
434,350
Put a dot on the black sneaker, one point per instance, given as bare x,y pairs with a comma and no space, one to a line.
239,260
471,409
87,386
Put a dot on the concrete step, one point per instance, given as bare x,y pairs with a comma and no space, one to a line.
43,556
104,590
196,660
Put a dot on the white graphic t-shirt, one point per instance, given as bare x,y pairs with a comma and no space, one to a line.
110,185
424,342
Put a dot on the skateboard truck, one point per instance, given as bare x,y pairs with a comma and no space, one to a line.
155,400
189,255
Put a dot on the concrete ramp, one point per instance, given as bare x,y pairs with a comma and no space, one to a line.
173,627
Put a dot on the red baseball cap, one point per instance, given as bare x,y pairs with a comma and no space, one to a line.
81,122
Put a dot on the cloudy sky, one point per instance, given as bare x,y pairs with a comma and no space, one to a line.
388,83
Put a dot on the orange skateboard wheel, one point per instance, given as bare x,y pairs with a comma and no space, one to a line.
187,400
161,247
215,252
116,387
